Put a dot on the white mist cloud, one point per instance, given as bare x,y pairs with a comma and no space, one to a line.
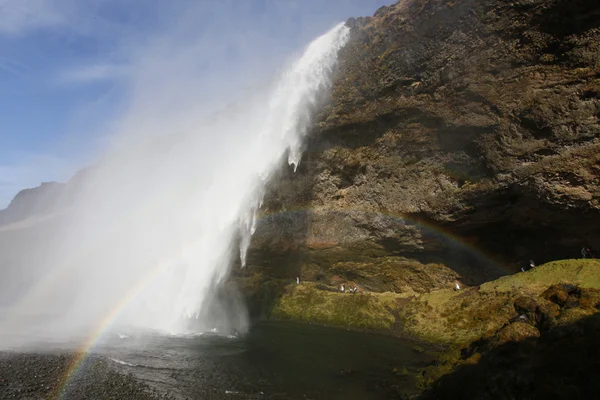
159,222
172,200
28,170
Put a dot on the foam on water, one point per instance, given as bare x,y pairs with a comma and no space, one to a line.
116,360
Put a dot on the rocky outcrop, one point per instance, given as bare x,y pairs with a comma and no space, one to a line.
547,350
463,134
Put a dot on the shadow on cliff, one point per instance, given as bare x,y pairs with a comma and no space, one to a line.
564,18
562,364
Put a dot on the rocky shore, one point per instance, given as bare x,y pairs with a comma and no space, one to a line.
33,376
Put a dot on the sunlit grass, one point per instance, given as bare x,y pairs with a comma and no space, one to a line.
442,316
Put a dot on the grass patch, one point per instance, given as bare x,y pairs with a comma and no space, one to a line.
583,273
450,317
444,316
460,317
361,311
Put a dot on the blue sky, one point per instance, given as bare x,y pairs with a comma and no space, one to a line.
68,68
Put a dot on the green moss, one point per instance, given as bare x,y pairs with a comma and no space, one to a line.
445,316
306,303
460,317
583,273
456,318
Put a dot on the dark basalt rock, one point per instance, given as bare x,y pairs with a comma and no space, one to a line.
452,125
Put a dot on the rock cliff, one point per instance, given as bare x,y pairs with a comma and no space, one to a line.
461,138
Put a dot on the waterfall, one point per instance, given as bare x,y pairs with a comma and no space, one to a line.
162,217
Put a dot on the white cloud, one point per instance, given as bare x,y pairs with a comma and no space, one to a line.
21,16
92,73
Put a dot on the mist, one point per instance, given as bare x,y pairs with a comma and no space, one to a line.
168,206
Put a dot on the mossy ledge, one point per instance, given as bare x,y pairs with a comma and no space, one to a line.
310,303
447,317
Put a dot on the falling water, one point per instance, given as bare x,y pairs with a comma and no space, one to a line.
162,217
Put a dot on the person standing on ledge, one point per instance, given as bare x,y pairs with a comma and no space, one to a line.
586,252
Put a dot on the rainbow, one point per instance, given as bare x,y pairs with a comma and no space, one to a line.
92,340
429,228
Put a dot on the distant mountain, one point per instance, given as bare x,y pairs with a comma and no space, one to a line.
44,199
28,202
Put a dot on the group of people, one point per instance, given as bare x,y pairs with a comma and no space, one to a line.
343,289
586,252
530,265
350,290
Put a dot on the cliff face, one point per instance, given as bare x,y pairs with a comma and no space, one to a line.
460,135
